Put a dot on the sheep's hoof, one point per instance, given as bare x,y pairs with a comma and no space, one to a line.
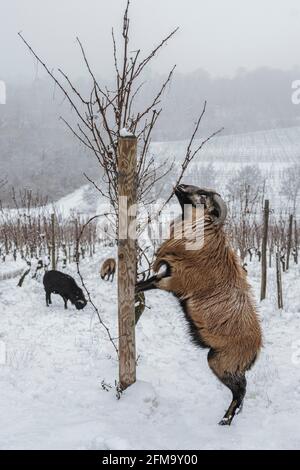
226,421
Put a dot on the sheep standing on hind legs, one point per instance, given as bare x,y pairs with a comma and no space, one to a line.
212,288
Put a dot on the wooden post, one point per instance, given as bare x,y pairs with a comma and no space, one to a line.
270,255
296,241
279,281
127,148
289,242
76,241
53,260
264,252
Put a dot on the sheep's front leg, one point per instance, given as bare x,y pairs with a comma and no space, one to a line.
66,302
160,280
149,284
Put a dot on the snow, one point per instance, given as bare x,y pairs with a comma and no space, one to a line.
276,146
125,133
58,383
10,268
83,200
271,151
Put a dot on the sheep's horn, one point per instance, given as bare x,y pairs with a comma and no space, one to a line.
221,208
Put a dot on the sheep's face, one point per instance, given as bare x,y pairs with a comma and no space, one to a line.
80,304
79,300
213,204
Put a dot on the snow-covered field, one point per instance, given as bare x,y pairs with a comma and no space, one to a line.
50,384
271,151
58,368
275,146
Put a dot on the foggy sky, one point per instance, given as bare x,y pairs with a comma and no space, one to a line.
217,35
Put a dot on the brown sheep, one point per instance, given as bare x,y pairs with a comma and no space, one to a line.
213,291
108,269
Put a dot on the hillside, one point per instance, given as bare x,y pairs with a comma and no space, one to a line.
220,159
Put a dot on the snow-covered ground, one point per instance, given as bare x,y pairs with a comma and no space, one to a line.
50,384
58,369
11,268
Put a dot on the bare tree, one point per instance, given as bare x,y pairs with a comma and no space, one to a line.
105,111
245,191
246,186
290,186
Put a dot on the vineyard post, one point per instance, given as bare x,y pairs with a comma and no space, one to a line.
53,260
127,149
289,242
76,241
296,241
264,251
270,254
279,281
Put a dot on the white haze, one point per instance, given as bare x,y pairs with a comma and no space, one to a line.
214,35
249,50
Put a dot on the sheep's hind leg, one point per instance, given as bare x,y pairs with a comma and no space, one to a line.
237,385
48,298
235,382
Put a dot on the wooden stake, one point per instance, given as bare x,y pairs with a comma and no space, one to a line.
76,241
127,148
279,281
296,241
53,260
289,242
264,252
270,256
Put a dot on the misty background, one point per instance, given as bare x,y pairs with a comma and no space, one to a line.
241,57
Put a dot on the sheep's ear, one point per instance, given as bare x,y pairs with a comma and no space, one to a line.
196,199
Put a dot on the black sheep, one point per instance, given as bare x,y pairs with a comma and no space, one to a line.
60,283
